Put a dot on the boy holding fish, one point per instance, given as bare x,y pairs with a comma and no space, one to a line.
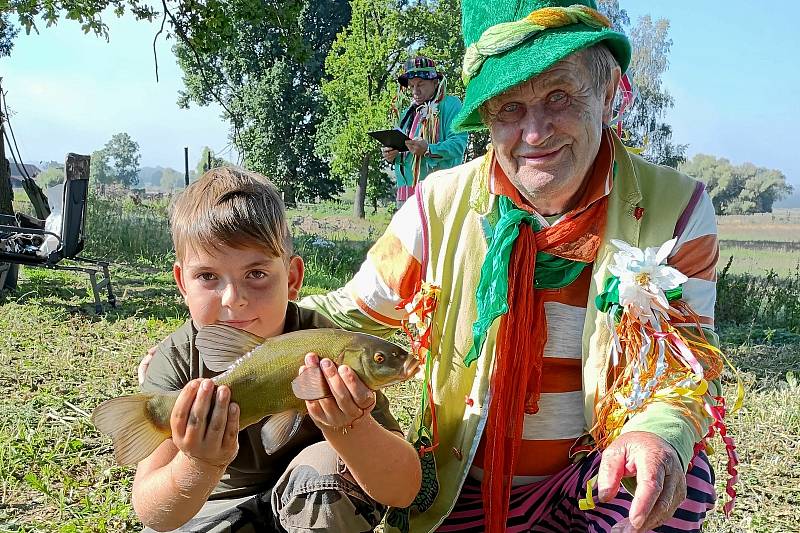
196,470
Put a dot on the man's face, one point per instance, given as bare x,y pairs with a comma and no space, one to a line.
546,132
422,90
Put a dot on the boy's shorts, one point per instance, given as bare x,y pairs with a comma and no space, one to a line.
315,493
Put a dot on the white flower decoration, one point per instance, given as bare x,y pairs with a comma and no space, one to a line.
644,276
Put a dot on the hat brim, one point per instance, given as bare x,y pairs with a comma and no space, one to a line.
502,72
402,79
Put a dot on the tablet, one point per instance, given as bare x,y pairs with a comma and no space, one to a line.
393,138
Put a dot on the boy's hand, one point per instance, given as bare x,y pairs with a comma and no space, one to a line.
351,400
212,441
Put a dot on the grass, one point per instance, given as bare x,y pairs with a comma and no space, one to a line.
58,360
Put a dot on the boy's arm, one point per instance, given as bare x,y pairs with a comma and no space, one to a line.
175,481
391,477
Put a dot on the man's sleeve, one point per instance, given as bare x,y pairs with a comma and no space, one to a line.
452,147
390,274
695,255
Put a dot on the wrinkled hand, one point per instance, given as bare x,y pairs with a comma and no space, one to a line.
660,480
141,371
389,154
417,146
351,400
208,440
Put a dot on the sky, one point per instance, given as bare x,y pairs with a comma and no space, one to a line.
734,74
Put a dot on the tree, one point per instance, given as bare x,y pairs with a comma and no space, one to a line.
202,163
268,70
52,175
644,120
171,179
116,162
99,170
359,91
741,189
7,34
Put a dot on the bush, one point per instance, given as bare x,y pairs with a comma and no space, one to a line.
770,301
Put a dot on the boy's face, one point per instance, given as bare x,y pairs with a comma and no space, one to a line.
245,288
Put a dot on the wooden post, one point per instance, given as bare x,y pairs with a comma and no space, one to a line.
8,272
209,160
186,165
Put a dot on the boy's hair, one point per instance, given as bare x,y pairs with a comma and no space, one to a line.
233,207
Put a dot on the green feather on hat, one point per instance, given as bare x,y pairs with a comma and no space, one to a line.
509,42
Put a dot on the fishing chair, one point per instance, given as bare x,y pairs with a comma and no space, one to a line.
21,244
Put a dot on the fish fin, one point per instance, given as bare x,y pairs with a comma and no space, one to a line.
311,384
220,346
129,424
279,429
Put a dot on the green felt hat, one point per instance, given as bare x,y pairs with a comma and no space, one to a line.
528,47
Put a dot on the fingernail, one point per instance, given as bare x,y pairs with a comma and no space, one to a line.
326,363
207,384
343,370
222,393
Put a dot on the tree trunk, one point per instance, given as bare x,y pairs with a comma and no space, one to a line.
361,189
289,193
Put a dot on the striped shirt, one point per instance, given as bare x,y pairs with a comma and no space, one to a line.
394,266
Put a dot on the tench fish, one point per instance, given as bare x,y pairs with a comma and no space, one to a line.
262,376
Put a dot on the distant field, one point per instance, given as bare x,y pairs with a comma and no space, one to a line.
759,243
781,225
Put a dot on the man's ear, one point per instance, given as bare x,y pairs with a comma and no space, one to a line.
610,92
177,271
296,271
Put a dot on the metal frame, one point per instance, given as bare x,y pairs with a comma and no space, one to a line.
71,240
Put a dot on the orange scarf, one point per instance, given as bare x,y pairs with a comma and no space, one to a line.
516,379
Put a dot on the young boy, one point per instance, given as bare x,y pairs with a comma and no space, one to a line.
235,266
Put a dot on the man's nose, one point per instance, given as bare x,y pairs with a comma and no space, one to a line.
537,125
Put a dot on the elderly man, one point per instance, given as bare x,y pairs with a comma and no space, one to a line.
562,391
428,122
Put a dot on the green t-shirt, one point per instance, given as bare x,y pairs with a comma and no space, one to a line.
176,362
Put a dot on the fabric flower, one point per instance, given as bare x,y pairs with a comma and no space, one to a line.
644,276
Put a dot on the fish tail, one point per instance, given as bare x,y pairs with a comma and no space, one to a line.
131,425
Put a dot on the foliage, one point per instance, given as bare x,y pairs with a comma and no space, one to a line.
116,162
7,34
52,175
769,299
738,189
171,179
359,92
202,163
267,71
644,121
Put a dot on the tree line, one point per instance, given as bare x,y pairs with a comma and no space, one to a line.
118,163
302,81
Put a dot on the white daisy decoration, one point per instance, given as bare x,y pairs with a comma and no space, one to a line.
644,276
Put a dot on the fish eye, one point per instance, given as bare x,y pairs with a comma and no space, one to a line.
379,357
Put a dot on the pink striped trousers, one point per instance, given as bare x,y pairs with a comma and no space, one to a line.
551,505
